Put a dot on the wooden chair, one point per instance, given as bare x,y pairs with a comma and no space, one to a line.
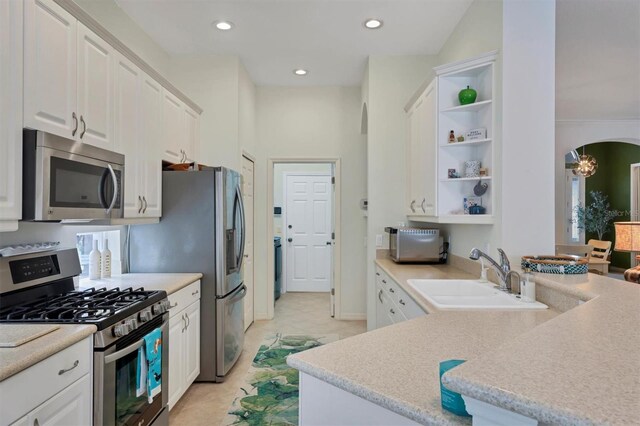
601,249
582,250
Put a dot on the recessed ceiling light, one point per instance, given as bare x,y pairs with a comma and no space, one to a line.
223,25
373,24
300,72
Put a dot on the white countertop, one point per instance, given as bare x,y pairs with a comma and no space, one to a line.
167,282
581,366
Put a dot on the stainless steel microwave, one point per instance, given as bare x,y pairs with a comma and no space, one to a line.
67,180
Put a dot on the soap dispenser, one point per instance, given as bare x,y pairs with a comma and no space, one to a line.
527,286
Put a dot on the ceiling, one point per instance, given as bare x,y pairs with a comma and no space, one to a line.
598,59
274,37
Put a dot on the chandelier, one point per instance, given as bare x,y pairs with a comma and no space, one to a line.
585,166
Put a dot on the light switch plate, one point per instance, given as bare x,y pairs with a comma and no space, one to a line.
378,240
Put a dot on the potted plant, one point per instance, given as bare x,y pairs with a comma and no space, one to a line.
597,216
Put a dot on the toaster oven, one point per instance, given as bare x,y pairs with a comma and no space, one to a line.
415,245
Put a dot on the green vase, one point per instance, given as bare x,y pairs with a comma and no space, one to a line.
467,96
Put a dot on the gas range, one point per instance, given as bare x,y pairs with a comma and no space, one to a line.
115,312
39,288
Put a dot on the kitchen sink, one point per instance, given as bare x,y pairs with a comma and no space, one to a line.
469,295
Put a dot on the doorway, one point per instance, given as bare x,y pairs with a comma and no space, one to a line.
305,204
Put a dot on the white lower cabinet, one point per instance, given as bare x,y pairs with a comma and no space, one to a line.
55,391
184,341
324,404
393,304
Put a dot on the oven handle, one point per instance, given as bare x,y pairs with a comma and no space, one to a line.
124,352
115,189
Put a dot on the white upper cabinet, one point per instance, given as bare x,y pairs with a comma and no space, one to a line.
128,80
421,155
10,114
151,97
50,68
95,89
173,123
192,133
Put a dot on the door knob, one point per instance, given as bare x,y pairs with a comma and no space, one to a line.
290,227
290,240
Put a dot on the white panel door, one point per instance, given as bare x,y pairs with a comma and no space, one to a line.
127,131
95,89
248,273
50,69
308,230
10,114
173,127
151,140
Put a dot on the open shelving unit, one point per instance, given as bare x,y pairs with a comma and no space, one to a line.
479,74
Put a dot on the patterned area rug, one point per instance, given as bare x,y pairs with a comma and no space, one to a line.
270,395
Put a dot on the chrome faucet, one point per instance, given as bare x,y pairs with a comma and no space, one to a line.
503,270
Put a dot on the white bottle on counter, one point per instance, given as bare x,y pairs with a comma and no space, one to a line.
106,260
527,287
95,262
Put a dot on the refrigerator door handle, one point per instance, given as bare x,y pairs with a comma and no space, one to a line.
240,205
241,294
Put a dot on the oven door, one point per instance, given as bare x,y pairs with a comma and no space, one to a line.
115,401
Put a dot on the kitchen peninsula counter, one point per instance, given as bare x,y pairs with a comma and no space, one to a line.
581,366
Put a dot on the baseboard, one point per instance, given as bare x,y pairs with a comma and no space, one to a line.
352,317
261,316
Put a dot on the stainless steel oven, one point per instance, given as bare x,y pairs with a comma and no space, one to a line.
115,369
68,180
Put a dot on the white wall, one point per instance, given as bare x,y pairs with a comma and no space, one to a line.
213,83
391,81
528,128
118,23
279,170
315,122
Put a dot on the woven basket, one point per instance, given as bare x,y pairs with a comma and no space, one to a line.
556,264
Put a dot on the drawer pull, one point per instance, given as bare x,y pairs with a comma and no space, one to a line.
401,302
384,281
378,273
391,290
392,311
195,292
75,364
173,306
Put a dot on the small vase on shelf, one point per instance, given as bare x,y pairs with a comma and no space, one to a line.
467,96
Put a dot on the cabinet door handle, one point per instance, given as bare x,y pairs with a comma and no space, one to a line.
188,319
184,322
36,422
401,302
380,296
392,311
75,129
391,290
412,206
140,209
84,127
75,364
145,204
424,200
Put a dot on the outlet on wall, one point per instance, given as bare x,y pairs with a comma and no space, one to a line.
378,240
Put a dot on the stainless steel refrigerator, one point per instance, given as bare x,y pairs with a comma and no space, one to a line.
202,229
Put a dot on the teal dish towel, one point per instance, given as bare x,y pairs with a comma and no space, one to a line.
150,365
451,401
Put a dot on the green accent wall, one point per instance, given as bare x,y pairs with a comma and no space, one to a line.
613,178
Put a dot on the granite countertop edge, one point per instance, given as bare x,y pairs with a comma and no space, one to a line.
402,408
45,350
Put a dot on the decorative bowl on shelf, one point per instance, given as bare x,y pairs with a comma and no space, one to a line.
467,96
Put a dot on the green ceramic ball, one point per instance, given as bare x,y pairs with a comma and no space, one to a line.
467,96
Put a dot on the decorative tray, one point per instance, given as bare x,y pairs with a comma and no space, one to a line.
556,264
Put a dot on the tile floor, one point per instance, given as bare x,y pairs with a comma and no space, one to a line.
296,313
